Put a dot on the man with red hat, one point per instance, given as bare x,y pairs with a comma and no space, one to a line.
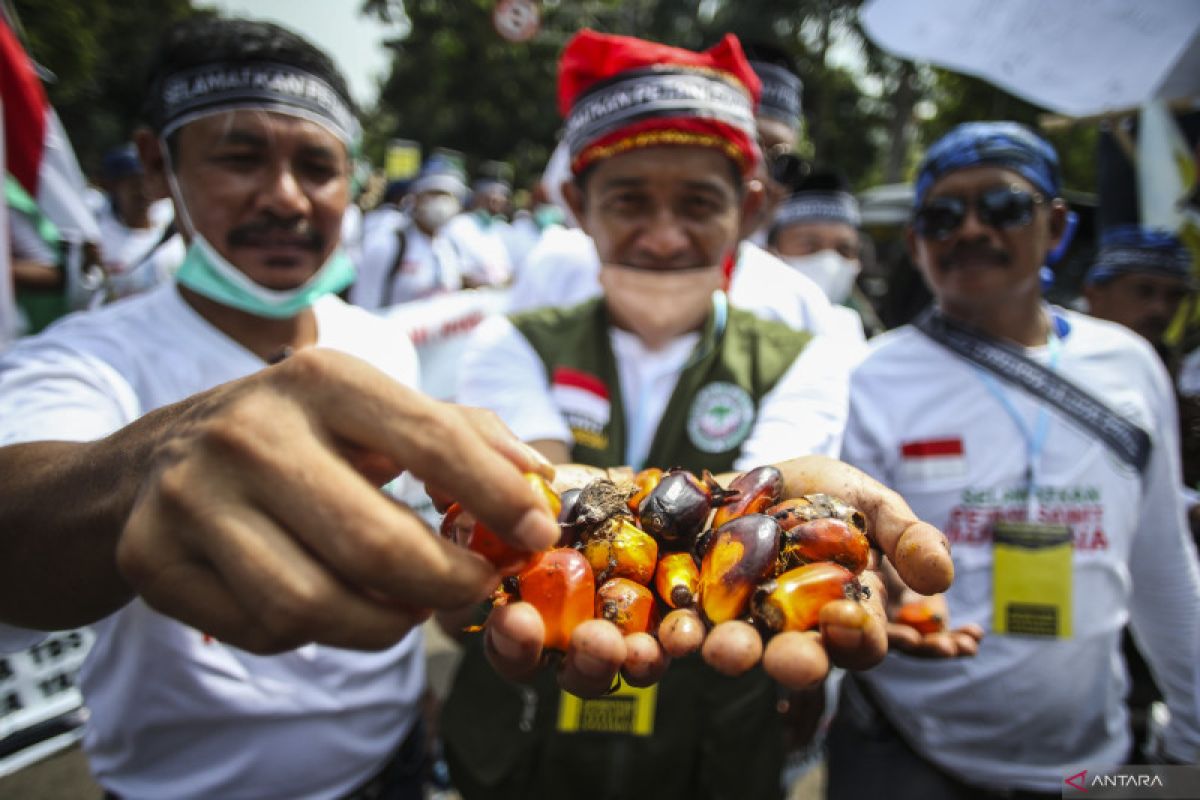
658,371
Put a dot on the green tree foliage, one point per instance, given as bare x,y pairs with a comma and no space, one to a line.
97,51
456,83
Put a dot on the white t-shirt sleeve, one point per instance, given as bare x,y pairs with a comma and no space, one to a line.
500,371
1165,603
48,392
805,412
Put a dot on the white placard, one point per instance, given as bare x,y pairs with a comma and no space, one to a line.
1075,57
439,328
37,685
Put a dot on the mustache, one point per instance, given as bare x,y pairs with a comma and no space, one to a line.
973,251
269,227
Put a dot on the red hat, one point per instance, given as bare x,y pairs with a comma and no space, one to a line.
618,93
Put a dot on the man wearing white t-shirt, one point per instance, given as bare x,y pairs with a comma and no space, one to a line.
1045,444
254,594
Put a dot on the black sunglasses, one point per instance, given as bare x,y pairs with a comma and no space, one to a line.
787,168
1002,207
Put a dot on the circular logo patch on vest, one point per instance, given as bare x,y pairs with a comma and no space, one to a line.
720,418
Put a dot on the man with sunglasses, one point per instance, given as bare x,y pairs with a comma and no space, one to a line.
1045,444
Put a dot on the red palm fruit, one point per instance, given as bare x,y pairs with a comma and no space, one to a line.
507,560
795,510
628,605
456,525
742,554
621,549
677,579
824,539
758,490
644,483
676,510
920,615
559,584
793,601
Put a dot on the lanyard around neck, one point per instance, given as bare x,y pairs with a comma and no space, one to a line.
1035,436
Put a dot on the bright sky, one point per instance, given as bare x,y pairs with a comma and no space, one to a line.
355,42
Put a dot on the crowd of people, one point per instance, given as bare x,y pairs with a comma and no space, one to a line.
201,458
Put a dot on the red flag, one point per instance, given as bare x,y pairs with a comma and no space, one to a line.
37,153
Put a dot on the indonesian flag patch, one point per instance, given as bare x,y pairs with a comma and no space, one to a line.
584,402
932,459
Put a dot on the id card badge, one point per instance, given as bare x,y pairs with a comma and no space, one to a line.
1031,579
628,710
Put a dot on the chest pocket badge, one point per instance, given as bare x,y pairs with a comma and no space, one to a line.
720,418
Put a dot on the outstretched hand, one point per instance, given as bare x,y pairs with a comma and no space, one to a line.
261,521
851,634
920,626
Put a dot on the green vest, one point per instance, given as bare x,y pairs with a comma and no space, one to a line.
713,407
709,736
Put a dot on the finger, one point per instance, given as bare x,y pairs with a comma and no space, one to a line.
645,661
377,469
681,632
796,659
922,557
262,592
852,637
512,640
441,499
965,644
441,445
732,647
937,645
902,637
971,629
919,551
594,656
359,533
855,632
498,435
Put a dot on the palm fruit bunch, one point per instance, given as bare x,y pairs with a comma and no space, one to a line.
633,552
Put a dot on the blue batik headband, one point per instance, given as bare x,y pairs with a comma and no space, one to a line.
1002,144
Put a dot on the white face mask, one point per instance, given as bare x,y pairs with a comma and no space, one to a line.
659,305
434,212
833,272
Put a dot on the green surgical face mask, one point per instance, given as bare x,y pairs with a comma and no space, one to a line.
208,273
548,214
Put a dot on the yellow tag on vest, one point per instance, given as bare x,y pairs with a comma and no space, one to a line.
1031,579
629,710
